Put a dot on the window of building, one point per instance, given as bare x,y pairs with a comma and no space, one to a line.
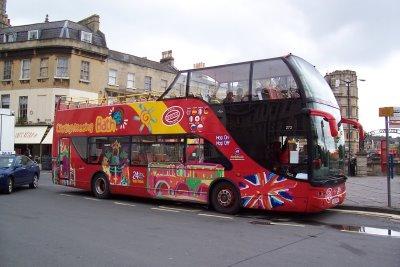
7,70
9,37
44,68
147,83
33,35
85,70
164,84
62,67
130,81
5,101
23,108
86,37
25,69
112,77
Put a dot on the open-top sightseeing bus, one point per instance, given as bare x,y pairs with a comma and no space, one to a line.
263,134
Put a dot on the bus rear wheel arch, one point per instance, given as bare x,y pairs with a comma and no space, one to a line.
100,186
225,197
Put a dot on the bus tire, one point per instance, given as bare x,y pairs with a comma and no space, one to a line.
10,186
100,186
225,198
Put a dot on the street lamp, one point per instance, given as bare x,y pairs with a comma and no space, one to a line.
348,82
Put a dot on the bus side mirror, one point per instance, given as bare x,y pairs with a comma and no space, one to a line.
333,126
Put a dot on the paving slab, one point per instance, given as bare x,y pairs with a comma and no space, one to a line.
370,193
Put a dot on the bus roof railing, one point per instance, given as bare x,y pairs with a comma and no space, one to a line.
82,102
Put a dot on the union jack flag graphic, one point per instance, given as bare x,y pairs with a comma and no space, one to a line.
266,190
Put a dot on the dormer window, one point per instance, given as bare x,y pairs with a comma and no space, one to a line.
33,35
9,37
86,37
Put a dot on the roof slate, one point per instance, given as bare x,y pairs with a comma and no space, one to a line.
50,30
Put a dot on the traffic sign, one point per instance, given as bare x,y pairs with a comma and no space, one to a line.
386,112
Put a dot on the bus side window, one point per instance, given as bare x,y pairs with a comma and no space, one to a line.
96,145
195,150
141,153
213,155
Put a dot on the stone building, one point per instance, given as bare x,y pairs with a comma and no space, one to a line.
344,87
43,62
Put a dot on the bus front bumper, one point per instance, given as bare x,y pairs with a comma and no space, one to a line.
322,198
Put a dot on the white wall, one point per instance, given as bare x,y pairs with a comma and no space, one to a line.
41,101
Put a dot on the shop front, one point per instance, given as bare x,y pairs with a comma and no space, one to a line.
28,141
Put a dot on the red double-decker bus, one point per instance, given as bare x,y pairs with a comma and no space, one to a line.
262,134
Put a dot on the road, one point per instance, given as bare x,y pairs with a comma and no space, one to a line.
60,226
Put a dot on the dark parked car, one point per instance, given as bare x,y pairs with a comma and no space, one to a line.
16,170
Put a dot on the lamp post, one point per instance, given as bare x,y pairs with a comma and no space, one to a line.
348,82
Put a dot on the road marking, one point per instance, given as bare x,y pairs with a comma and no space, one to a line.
90,198
368,213
65,195
216,216
165,209
178,209
124,204
288,224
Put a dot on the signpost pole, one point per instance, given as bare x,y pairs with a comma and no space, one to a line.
387,161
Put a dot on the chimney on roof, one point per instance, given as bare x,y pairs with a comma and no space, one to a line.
92,22
166,57
4,20
47,18
199,65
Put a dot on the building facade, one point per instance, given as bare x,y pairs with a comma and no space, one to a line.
43,62
345,89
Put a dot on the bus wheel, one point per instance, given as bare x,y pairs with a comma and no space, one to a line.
100,186
225,198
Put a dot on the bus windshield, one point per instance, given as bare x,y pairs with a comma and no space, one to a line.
314,84
328,154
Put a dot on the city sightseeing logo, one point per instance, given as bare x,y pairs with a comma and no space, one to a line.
172,115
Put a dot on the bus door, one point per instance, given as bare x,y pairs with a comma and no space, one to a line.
64,160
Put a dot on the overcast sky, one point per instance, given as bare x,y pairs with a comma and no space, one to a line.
333,35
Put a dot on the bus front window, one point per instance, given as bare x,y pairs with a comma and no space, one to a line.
328,154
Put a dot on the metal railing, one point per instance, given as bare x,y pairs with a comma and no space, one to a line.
80,102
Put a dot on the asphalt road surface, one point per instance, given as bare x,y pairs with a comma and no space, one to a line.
61,226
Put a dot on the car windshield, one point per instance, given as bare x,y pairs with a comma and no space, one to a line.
6,161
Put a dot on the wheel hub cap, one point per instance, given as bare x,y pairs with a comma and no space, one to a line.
225,197
100,186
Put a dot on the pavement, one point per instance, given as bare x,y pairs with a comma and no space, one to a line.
370,194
